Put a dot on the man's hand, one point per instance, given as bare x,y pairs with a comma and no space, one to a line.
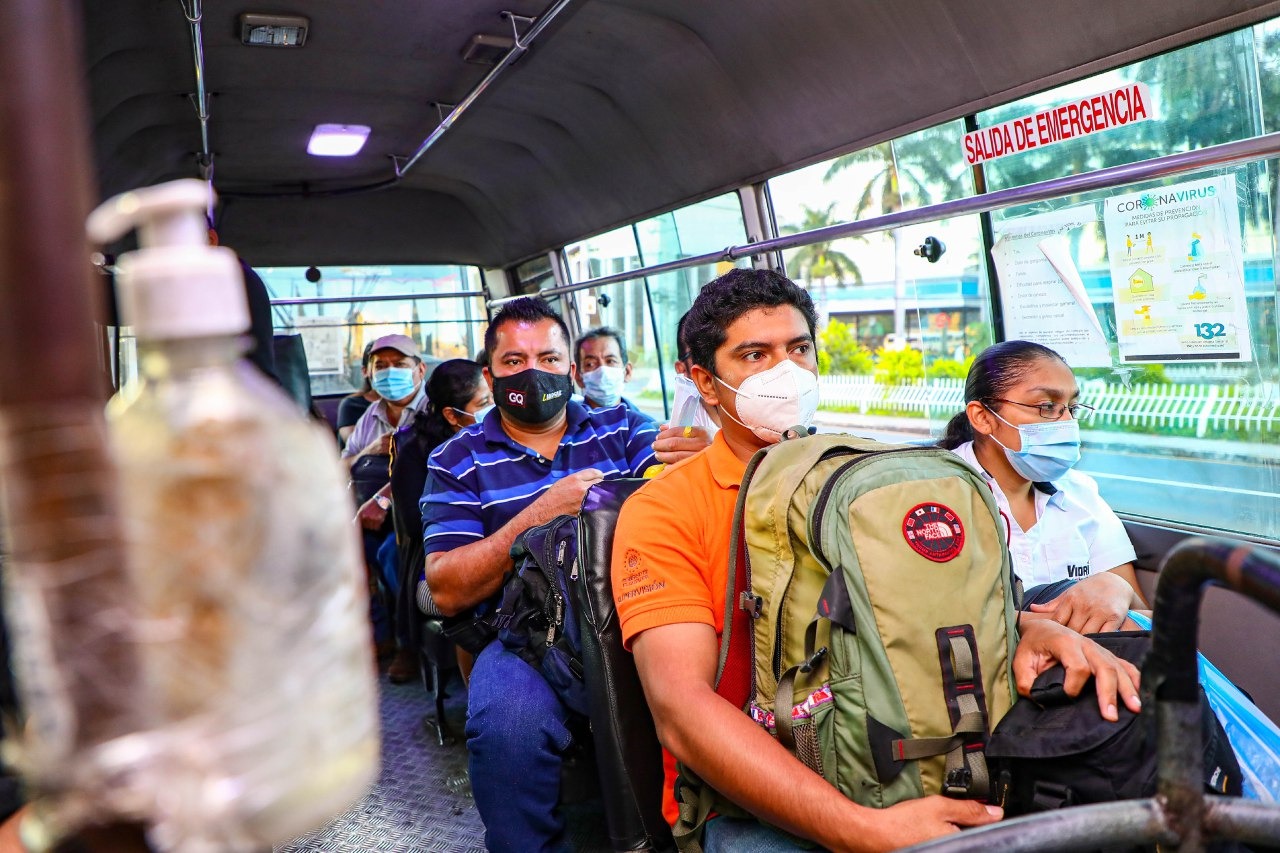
1098,603
676,443
1045,642
370,516
378,447
914,821
565,497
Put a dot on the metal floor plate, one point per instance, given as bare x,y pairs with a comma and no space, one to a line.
422,801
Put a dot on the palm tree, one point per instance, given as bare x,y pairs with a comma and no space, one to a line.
923,162
818,261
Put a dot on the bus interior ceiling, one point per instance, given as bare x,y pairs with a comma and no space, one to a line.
621,108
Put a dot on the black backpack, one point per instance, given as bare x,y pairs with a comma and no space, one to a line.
1051,751
537,616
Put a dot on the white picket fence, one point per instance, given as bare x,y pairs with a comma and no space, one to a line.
1151,407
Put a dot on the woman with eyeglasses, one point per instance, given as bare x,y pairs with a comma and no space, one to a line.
458,397
1020,430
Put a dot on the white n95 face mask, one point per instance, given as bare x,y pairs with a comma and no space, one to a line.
771,402
687,409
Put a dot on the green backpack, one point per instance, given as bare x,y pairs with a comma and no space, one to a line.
870,588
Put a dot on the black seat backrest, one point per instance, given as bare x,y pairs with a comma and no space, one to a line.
627,750
290,358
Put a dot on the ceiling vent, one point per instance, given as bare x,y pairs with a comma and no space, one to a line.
273,30
486,50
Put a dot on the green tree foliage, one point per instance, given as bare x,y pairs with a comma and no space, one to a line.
818,261
948,368
897,367
913,171
977,337
1139,374
844,354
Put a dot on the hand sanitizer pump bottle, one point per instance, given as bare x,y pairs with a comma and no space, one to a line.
259,681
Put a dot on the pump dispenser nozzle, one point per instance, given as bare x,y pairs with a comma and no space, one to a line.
175,285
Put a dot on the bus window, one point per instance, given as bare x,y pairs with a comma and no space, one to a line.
647,310
887,317
346,307
1186,112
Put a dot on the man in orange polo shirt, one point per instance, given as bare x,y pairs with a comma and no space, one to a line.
752,343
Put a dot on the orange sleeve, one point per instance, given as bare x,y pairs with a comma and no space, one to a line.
658,566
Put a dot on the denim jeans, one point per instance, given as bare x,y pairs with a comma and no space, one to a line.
515,736
383,560
733,835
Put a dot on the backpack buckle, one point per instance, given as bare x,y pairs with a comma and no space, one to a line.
753,604
813,661
958,782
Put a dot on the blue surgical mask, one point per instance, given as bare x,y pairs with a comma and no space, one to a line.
1049,449
604,385
477,416
393,383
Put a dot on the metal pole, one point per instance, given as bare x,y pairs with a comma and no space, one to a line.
1170,675
988,242
195,18
67,576
522,44
1122,824
653,321
1215,156
394,297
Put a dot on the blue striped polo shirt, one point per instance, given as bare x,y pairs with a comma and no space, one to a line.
480,479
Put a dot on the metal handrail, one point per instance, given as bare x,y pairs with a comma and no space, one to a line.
517,50
1181,817
1226,154
381,297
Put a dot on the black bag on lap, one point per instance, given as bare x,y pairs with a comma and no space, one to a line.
1051,751
369,474
537,617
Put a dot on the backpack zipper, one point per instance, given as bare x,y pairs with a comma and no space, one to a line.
549,563
777,628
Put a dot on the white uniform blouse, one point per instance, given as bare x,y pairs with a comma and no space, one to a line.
1076,534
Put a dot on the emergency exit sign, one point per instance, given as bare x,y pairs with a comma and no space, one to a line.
1129,104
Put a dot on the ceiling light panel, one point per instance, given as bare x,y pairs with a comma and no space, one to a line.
337,140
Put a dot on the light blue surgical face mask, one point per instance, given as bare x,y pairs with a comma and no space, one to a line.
1049,449
477,416
393,383
604,385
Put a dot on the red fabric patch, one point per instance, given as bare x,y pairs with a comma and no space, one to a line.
934,532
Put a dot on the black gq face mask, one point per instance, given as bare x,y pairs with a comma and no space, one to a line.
532,396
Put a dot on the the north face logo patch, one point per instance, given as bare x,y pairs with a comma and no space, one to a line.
933,531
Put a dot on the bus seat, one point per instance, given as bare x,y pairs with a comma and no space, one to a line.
629,757
328,406
437,657
291,368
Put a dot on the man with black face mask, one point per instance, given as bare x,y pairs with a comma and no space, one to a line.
529,460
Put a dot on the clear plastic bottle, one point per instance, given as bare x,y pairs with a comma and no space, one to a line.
254,637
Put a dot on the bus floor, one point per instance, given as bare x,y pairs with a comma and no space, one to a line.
422,799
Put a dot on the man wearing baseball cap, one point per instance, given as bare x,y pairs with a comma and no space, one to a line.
397,374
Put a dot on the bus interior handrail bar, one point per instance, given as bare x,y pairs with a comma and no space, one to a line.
1188,568
379,297
1224,154
518,49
